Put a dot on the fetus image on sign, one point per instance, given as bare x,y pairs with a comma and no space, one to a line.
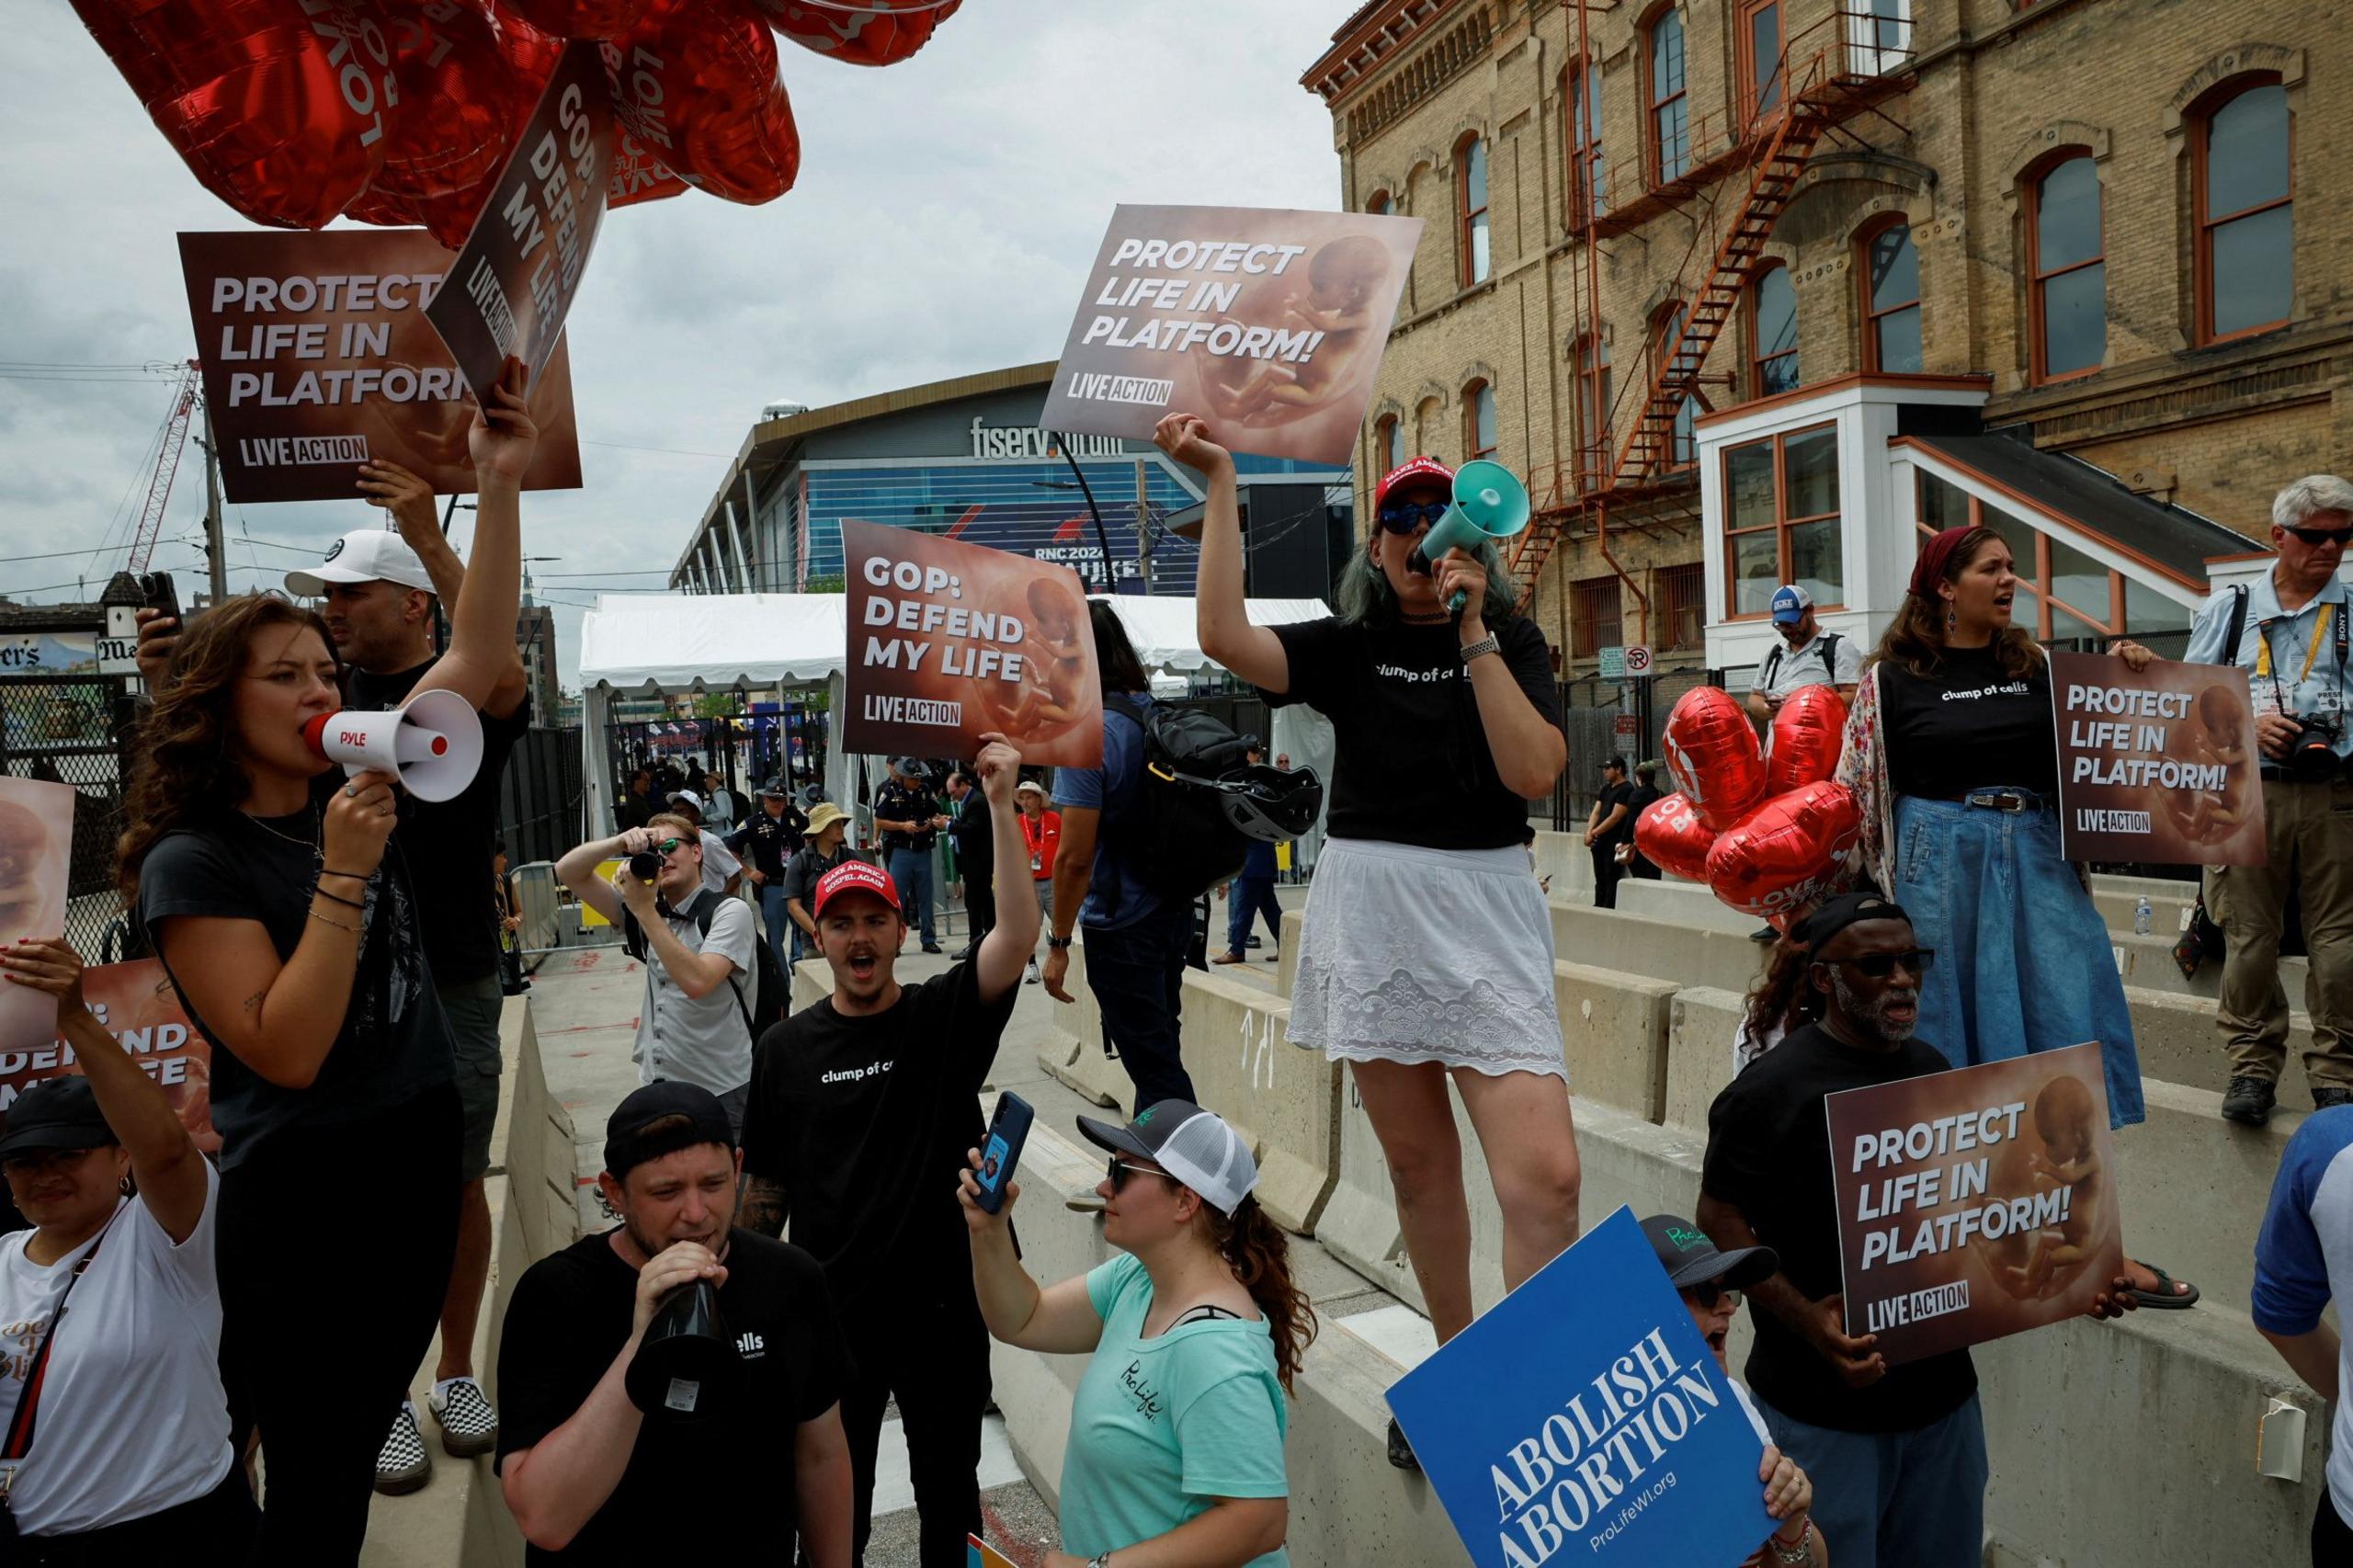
1344,280
2214,734
36,837
1055,691
2033,1265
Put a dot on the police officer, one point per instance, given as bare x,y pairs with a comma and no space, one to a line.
2287,630
773,833
909,819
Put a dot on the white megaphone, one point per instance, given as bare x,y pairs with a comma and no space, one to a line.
434,743
1489,503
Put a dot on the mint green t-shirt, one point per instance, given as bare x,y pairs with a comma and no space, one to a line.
1160,1426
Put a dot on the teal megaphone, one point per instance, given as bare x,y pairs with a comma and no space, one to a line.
1489,503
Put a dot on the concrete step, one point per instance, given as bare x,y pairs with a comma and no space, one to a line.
2116,898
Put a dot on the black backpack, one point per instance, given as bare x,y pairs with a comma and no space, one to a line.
1829,641
1175,834
772,995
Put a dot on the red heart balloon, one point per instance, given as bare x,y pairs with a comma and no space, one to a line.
876,32
1669,834
696,84
1784,854
279,108
1712,751
1809,732
579,19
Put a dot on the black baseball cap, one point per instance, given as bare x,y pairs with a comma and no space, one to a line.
1690,1258
626,1144
1614,760
56,1113
1831,917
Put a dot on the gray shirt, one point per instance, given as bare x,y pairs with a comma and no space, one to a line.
1784,669
700,1041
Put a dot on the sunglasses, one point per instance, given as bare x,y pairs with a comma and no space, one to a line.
1120,1170
1878,966
1708,1295
1402,517
665,846
2310,536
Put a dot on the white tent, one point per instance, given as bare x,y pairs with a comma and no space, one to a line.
649,643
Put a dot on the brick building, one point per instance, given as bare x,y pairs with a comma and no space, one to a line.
1702,269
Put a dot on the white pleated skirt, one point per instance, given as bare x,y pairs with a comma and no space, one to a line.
1428,955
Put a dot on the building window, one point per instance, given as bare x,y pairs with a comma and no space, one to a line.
1891,300
1390,442
2244,183
1773,332
1760,56
1479,419
1595,621
2067,292
2068,596
1593,410
1471,201
1378,205
1670,131
1667,335
1581,87
1681,593
1782,519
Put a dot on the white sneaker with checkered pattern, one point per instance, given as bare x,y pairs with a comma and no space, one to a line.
403,1465
469,1425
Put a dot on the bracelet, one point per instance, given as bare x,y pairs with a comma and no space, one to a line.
337,923
355,876
338,898
1797,1552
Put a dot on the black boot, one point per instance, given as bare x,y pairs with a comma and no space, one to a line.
2249,1100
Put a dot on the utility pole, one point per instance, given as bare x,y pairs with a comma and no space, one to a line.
1144,529
215,550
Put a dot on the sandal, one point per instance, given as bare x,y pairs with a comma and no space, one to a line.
2164,1298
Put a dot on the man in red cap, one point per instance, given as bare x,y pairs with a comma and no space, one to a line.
861,1109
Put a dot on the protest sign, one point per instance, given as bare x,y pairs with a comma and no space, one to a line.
1585,1420
317,357
1975,1203
979,1553
1267,322
2158,765
136,1004
949,641
514,280
36,849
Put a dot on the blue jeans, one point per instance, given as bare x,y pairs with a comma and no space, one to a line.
1895,1499
1137,974
1250,897
781,932
2007,919
910,868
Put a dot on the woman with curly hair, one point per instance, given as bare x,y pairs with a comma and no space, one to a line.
1953,761
1199,1310
260,876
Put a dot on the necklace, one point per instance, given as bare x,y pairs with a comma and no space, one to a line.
311,844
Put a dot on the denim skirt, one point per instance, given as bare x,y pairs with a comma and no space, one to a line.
2023,961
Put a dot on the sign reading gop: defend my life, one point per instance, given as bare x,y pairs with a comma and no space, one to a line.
1584,1420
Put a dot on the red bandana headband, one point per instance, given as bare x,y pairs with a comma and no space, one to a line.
1934,562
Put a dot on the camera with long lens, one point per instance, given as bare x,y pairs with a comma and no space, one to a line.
645,866
2312,755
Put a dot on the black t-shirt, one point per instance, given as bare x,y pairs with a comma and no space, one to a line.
773,840
721,1490
1969,725
1768,1156
1412,763
1613,797
396,1041
449,841
865,1122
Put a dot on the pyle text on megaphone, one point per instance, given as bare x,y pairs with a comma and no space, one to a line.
433,744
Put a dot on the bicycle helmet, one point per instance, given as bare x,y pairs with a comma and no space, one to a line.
1266,802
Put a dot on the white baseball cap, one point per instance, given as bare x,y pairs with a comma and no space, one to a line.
363,555
688,796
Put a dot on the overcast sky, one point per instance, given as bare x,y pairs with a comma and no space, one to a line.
947,209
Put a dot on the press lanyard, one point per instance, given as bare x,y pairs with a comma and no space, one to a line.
2321,627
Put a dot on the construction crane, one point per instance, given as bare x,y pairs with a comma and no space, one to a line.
168,466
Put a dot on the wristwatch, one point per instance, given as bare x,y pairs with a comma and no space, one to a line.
1486,644
1058,943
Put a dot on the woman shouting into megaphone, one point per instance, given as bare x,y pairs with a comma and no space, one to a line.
1427,953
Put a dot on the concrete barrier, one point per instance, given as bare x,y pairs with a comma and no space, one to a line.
1701,1028
1284,1101
1685,904
2177,1042
1666,949
1613,1032
1294,932
1076,1056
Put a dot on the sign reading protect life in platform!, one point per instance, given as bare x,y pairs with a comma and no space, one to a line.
1267,322
1976,1203
949,642
317,357
1584,1420
515,279
2158,765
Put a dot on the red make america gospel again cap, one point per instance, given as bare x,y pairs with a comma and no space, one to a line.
856,876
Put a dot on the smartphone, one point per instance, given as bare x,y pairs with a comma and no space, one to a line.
1001,1151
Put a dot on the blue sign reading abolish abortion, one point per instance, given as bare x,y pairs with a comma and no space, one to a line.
1584,1420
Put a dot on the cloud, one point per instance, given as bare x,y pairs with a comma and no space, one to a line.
947,209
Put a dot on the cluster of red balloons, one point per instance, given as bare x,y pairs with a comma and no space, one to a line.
1768,834
402,111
